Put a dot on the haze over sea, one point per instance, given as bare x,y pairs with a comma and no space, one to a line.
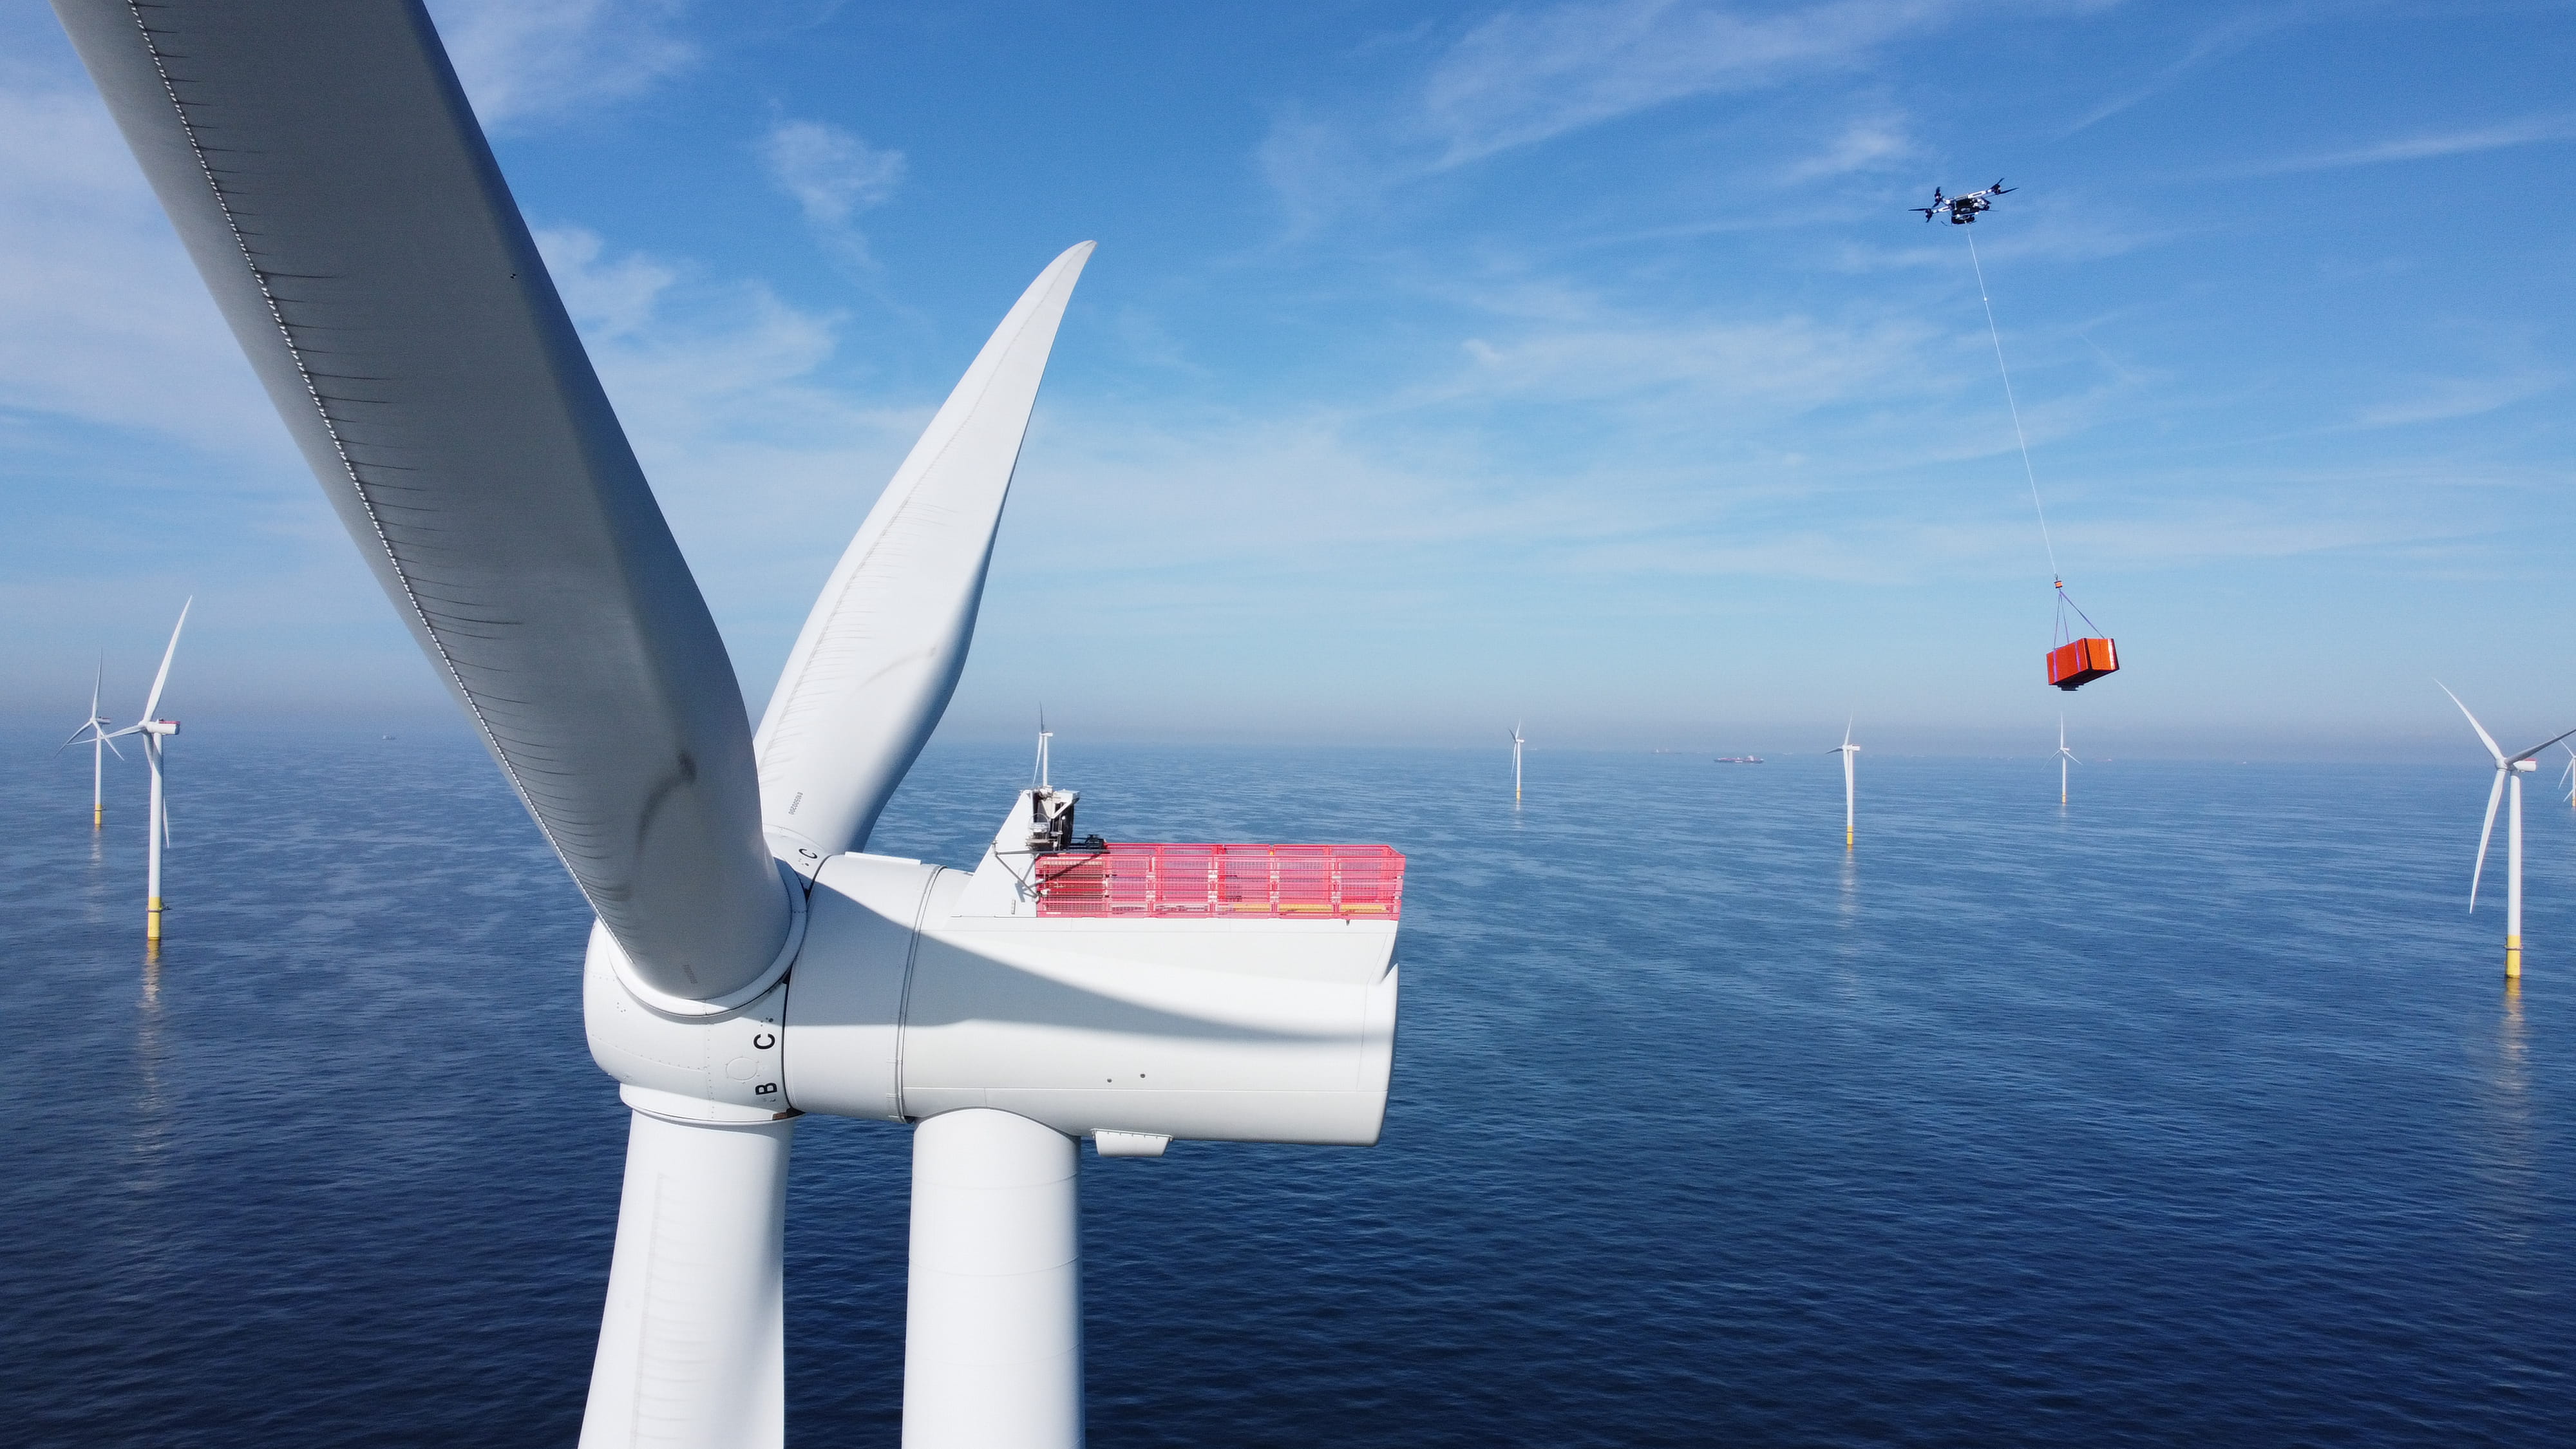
2195,1112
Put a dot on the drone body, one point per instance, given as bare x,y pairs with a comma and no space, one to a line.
1963,210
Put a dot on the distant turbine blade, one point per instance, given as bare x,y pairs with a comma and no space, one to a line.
323,168
880,654
2485,831
153,701
2483,736
2534,751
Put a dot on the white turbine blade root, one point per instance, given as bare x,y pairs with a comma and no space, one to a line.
152,702
879,655
992,1353
321,165
2483,737
691,1341
2484,831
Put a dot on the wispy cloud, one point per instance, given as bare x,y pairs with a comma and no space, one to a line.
1535,74
1865,143
2217,42
1528,75
106,320
833,175
520,60
2427,146
2443,399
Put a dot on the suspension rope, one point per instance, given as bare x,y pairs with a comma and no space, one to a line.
2015,408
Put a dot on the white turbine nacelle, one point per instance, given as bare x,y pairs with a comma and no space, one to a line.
158,727
920,990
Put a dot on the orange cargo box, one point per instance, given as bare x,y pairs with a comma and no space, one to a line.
2071,666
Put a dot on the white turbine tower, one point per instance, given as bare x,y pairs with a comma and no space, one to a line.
2508,768
2567,777
1517,742
154,730
328,178
101,743
2064,756
1850,787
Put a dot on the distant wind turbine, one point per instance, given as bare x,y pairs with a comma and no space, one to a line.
94,730
154,730
2567,777
1847,750
2507,768
1517,742
2063,755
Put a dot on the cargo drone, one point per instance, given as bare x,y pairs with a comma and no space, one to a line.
1963,209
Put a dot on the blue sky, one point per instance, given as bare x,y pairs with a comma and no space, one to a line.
1446,364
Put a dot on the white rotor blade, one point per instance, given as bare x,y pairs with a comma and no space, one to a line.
880,655
2487,739
2484,831
2534,752
152,701
320,162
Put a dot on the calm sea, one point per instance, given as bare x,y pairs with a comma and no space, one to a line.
2195,1113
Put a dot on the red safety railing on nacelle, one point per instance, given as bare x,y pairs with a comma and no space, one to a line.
1220,881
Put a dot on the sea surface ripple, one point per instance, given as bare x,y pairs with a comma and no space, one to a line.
2195,1112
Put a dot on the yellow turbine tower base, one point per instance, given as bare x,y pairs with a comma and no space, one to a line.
152,921
2513,958
97,817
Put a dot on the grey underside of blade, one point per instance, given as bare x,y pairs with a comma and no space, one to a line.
328,178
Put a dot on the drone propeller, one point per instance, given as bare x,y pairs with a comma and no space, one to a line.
1999,188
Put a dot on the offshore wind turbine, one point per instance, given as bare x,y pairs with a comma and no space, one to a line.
1517,742
154,730
2508,768
1850,790
2064,756
328,178
2567,777
94,730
